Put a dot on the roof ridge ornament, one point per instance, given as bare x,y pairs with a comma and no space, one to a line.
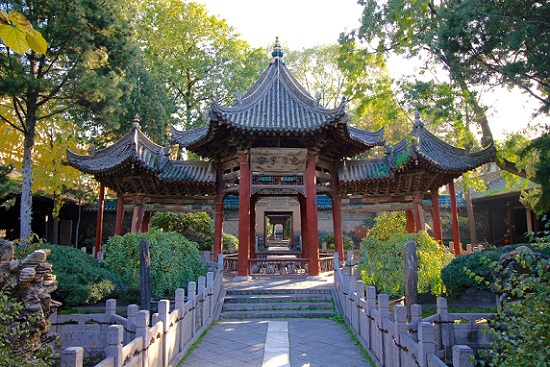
417,121
277,50
136,124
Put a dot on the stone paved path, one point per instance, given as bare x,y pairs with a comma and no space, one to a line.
241,343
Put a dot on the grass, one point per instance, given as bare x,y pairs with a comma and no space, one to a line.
340,319
429,311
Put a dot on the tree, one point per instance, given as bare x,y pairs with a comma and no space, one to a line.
78,78
417,28
344,70
500,42
196,55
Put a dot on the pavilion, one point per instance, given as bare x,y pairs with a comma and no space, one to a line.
277,141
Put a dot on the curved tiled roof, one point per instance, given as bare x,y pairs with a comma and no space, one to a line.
134,148
135,164
422,144
278,103
186,138
420,162
186,171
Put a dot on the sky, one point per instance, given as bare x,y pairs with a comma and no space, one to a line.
307,23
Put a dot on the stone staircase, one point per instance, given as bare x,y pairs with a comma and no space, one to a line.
278,303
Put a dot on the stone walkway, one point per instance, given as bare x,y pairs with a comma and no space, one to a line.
277,342
312,343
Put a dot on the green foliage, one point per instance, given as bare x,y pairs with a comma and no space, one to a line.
328,238
388,224
175,261
196,55
82,280
456,275
538,153
230,239
381,263
14,343
194,226
473,271
6,187
521,328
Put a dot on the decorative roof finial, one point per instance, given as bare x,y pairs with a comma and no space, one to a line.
417,121
277,51
136,122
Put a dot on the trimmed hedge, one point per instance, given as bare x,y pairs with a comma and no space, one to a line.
175,261
82,280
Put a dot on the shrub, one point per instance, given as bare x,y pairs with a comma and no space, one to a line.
381,263
329,239
230,239
521,327
15,344
197,227
387,225
175,261
455,274
82,280
459,275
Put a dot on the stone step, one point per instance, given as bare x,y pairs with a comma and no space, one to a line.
277,298
276,314
278,303
279,291
277,306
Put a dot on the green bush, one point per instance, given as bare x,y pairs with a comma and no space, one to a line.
521,327
82,280
329,239
459,275
197,227
16,349
230,239
381,263
455,274
175,261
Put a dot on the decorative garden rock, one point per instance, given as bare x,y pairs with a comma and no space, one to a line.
30,281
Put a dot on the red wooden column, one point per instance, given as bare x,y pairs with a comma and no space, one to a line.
454,217
337,213
244,216
119,226
145,222
218,215
436,216
253,202
137,216
420,222
99,221
311,209
410,221
303,225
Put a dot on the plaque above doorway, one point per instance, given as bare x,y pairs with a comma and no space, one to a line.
278,160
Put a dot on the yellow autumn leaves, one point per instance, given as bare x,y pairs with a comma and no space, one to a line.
18,34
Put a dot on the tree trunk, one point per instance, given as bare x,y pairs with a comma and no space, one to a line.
78,224
26,185
471,218
145,274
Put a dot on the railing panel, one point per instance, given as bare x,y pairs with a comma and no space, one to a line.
274,267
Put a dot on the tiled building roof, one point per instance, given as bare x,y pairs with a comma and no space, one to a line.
278,105
419,163
133,149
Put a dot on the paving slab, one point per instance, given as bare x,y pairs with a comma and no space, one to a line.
311,343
